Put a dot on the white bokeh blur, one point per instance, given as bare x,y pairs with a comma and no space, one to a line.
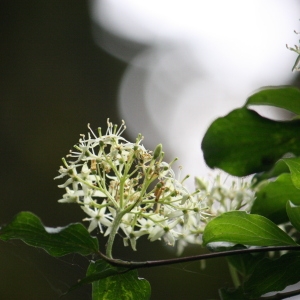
192,61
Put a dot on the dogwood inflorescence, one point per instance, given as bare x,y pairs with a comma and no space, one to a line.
126,189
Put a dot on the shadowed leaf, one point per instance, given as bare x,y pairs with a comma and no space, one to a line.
293,212
243,142
271,199
294,166
124,286
59,241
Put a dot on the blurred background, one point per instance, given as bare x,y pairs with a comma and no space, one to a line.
169,68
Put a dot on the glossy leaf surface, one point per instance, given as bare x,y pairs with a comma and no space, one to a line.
244,143
238,227
59,241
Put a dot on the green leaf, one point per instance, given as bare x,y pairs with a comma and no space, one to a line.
271,199
59,241
245,263
269,275
124,286
286,97
273,275
97,270
101,269
243,142
294,166
280,167
238,227
293,212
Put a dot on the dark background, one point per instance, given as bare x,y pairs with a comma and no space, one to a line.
55,80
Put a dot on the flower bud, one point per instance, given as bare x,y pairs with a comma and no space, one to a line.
157,151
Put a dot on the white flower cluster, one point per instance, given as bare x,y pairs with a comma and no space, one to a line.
216,197
221,197
122,186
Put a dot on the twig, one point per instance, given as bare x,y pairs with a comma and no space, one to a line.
164,262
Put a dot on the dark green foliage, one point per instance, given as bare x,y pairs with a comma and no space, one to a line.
271,198
243,142
123,285
60,241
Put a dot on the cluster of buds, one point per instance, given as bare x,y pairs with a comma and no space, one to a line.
121,186
296,66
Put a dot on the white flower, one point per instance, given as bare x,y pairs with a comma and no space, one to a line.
164,229
220,198
185,236
99,217
71,196
131,235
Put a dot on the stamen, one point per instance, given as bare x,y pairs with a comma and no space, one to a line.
109,127
99,132
122,128
185,178
89,127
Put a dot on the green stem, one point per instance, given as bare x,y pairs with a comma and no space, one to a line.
234,276
114,230
121,191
